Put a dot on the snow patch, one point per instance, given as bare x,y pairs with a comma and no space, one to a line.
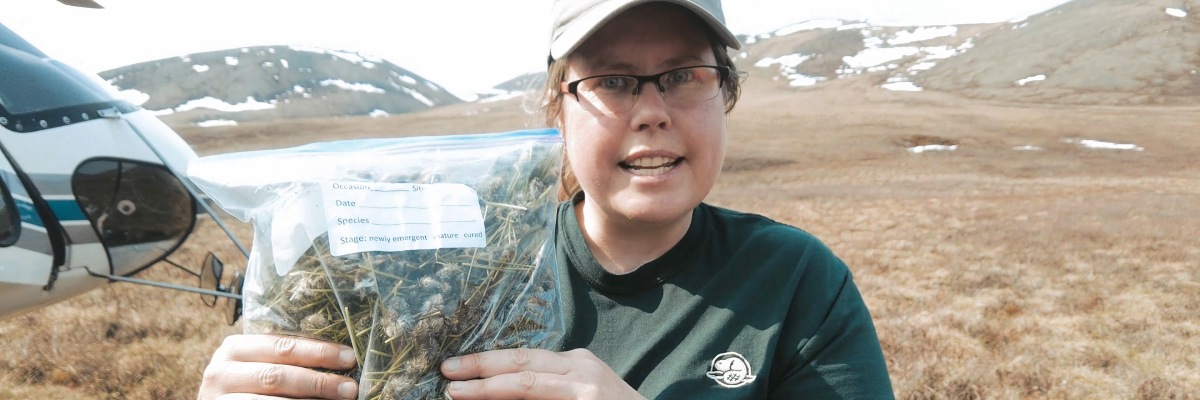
1096,144
215,104
1034,78
404,78
922,66
798,80
934,53
939,52
200,68
1175,12
902,86
134,96
1027,148
230,60
417,95
284,63
787,66
932,147
871,42
377,113
879,68
876,56
216,122
357,87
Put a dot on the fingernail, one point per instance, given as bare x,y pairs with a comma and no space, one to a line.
458,386
346,390
346,356
451,365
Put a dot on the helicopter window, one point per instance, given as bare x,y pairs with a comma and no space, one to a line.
32,83
10,221
140,211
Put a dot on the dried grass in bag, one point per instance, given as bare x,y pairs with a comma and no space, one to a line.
409,250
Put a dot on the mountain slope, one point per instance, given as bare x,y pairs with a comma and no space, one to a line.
1083,52
813,53
270,82
1086,51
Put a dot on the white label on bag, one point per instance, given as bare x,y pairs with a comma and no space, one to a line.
376,216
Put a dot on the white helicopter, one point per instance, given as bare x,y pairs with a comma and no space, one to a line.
91,187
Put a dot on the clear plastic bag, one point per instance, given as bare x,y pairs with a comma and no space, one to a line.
409,250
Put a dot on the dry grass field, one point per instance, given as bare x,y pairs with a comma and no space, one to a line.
992,273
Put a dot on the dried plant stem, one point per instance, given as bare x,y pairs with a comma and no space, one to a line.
353,343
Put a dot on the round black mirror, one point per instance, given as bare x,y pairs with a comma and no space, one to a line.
210,276
233,307
139,211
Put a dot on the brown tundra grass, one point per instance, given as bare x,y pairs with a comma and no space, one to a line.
992,273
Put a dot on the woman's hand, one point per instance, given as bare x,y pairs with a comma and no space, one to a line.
269,365
534,374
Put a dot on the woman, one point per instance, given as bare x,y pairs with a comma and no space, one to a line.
666,296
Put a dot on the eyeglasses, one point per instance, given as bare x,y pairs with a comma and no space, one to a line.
617,93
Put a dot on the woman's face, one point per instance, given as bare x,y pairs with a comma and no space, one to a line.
656,161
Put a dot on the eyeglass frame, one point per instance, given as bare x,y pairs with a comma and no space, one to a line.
572,87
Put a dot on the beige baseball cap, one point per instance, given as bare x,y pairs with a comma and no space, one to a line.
576,20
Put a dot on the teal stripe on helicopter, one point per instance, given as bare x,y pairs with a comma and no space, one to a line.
65,210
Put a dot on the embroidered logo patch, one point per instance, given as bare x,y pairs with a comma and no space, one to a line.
730,370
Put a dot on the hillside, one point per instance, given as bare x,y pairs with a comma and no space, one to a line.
1084,52
271,82
1100,52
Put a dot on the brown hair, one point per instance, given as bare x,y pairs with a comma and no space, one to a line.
556,74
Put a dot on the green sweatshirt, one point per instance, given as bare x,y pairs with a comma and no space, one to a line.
742,307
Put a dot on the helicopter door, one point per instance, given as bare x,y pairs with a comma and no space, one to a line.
140,211
26,254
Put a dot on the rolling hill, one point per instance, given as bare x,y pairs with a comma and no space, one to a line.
272,82
1099,52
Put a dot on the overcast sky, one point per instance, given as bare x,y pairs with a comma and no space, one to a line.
462,45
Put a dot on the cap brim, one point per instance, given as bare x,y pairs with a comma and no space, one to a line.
591,21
